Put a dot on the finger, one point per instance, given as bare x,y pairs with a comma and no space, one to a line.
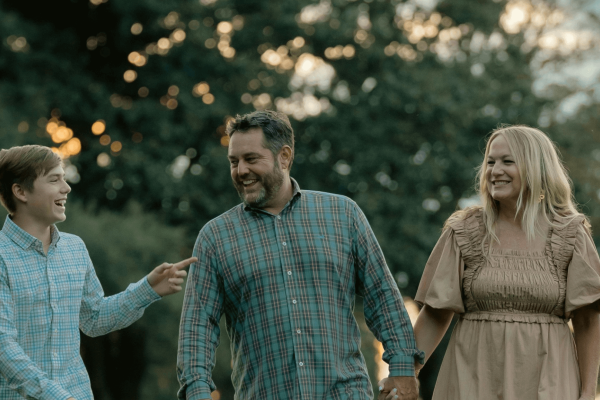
392,395
185,263
180,274
176,281
162,268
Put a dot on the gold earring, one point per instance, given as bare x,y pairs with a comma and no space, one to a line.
541,198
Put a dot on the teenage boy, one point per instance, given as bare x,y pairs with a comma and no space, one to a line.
48,287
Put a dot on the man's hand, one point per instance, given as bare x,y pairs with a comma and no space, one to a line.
398,388
167,278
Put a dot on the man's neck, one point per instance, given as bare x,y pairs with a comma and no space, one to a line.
283,197
34,227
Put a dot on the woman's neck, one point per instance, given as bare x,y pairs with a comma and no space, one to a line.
508,213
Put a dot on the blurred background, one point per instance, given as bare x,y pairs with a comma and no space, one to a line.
391,102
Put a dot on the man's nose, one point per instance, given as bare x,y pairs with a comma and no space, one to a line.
242,168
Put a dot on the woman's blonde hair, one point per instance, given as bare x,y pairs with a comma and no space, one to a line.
545,185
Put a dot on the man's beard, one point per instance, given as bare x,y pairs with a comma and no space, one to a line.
271,184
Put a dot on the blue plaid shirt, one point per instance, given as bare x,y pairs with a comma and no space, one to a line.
44,301
286,284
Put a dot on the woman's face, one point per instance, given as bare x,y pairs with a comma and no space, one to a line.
504,181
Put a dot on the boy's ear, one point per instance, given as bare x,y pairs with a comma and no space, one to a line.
19,193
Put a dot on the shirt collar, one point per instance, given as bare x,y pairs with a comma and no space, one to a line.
296,194
24,239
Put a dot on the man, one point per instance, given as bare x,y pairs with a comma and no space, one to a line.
284,267
48,286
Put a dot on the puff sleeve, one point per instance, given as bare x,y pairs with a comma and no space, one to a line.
441,283
583,274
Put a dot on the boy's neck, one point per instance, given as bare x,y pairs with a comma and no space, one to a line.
34,227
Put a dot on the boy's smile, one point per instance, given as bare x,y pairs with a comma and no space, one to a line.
46,201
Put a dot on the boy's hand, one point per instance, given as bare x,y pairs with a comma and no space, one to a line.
167,278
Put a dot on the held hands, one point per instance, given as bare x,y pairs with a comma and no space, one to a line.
398,388
167,278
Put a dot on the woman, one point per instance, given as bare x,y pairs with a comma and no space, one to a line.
516,270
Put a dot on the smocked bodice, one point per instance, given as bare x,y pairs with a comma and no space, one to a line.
516,282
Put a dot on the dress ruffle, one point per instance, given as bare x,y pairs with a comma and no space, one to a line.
559,250
469,233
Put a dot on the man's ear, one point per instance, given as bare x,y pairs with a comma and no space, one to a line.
19,193
285,157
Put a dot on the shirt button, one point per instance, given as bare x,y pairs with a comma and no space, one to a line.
54,354
278,217
284,243
298,331
301,364
289,272
294,301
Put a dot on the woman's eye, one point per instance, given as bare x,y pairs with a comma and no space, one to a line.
490,163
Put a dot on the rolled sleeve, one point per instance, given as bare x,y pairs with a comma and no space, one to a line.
197,390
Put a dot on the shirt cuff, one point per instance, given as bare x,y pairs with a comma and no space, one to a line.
403,365
53,391
142,292
195,391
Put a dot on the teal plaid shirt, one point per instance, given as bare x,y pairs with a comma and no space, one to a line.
44,301
287,285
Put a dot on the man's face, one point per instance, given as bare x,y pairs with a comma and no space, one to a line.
256,174
46,201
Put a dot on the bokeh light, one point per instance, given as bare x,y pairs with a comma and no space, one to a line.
116,146
103,160
130,76
200,89
136,28
104,140
173,91
208,98
98,127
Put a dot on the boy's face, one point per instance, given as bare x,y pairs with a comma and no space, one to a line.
46,201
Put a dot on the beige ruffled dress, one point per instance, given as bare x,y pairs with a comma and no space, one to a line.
512,340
